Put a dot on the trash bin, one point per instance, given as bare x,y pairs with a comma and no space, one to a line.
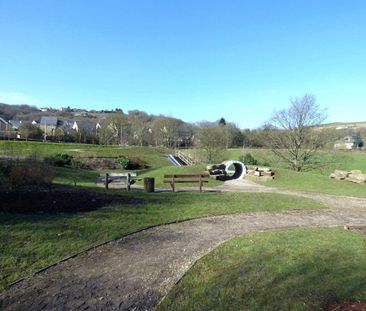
149,184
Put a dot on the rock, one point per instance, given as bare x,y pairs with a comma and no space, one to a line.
354,176
341,174
356,172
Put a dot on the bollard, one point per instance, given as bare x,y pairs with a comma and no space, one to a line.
149,184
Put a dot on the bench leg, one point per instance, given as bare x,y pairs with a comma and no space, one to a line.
106,180
128,182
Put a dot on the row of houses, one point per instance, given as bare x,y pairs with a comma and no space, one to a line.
49,124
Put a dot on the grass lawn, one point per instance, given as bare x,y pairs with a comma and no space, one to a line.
294,269
155,157
325,162
30,242
315,182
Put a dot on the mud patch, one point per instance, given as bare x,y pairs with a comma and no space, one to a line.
347,306
58,200
360,230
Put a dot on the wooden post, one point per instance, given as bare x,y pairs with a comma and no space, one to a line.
173,183
200,179
106,180
128,181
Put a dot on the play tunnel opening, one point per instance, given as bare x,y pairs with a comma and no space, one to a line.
235,169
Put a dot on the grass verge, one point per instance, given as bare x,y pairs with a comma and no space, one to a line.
31,242
313,182
295,269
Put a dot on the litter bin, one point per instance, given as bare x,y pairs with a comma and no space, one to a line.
149,184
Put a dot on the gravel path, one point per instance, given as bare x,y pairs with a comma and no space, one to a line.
136,272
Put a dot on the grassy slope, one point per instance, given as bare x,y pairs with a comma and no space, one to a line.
35,241
312,182
326,161
316,179
155,157
296,269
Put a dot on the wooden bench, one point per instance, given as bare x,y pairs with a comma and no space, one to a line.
173,179
129,178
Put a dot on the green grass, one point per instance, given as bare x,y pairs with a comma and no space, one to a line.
31,242
315,182
296,269
154,157
325,162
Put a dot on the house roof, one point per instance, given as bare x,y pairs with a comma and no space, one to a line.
3,120
86,125
16,123
66,124
49,121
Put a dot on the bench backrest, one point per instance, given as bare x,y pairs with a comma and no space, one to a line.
119,174
204,175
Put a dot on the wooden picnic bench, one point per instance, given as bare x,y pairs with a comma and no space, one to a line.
129,178
173,179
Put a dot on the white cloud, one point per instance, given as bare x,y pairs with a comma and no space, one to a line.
17,98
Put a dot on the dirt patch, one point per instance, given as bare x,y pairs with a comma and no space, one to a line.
58,200
360,230
347,306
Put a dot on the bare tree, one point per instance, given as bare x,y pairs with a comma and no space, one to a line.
294,136
212,140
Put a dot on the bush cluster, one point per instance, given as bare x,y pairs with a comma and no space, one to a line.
248,159
15,174
60,159
123,161
132,163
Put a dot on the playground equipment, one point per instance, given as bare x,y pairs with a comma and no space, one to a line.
227,170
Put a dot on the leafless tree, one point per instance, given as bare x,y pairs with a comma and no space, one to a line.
294,136
212,140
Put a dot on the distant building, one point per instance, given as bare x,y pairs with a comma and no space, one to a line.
348,143
86,126
4,125
16,124
48,125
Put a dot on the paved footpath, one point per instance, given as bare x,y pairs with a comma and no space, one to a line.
136,272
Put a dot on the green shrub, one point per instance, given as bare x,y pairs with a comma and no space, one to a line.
123,161
136,163
132,163
248,159
60,159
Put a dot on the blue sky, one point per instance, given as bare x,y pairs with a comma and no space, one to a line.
193,60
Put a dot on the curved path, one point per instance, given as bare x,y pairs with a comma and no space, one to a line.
136,272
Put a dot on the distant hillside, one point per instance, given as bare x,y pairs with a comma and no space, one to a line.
346,125
17,111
